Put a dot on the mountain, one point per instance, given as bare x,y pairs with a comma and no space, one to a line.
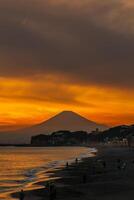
66,120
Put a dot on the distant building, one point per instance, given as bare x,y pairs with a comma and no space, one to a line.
61,138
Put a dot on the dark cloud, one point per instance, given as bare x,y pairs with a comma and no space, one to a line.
91,41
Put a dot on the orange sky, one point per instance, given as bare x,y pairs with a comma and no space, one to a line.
60,55
29,101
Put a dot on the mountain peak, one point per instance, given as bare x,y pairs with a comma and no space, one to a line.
66,112
69,120
65,120
67,116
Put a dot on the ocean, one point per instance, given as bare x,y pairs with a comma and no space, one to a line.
21,168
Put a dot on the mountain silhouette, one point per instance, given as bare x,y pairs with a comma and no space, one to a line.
66,120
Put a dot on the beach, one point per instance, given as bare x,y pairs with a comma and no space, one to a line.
24,167
107,175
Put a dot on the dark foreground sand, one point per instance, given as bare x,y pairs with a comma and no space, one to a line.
100,183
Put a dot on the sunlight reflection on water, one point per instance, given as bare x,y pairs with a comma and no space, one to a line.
21,167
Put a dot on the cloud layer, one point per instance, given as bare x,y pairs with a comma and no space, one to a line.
61,54
90,41
25,102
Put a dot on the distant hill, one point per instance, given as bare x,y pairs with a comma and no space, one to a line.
117,132
66,120
61,138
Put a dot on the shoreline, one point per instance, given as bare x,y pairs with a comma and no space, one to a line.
32,163
103,184
51,174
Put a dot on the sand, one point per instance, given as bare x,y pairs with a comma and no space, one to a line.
90,180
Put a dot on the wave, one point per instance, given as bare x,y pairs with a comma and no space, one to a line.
34,175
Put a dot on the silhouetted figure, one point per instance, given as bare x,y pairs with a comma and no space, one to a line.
67,165
84,178
22,195
52,192
104,164
119,164
47,187
55,192
76,160
124,165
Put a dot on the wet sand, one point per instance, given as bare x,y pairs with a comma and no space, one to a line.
91,180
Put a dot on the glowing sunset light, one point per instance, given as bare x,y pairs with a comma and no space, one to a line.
59,55
26,102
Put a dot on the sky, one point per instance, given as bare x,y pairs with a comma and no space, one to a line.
60,55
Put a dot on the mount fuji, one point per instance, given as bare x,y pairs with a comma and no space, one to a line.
66,120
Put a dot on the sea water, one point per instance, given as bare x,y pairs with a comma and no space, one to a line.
21,167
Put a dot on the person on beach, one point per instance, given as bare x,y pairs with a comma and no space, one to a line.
47,187
119,164
52,192
55,192
124,165
22,195
67,165
104,164
76,160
